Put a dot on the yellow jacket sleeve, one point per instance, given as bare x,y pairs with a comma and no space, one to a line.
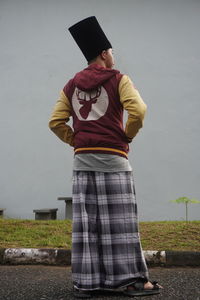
133,104
60,116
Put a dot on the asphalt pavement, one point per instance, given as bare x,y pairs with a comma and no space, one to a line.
54,283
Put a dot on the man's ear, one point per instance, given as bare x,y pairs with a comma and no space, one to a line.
103,54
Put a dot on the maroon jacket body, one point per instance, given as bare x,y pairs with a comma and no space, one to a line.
97,111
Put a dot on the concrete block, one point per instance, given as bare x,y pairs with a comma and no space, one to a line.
155,258
182,258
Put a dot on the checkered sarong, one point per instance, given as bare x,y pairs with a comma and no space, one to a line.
106,249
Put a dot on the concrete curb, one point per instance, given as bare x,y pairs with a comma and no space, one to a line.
32,256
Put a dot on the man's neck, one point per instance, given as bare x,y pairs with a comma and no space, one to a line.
99,62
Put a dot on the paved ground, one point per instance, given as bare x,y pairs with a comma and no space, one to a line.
54,283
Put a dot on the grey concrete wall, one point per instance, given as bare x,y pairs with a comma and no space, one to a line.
156,42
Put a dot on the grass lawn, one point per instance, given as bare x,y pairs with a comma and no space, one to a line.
173,235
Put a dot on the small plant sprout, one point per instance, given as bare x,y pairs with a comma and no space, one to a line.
185,201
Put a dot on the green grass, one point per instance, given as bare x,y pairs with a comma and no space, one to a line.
173,235
35,234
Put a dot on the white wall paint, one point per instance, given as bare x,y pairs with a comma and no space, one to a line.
156,42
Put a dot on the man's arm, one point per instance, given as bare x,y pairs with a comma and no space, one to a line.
59,118
134,105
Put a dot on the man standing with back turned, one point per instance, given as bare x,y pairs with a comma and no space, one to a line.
106,249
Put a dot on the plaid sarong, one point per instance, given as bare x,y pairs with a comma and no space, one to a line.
106,249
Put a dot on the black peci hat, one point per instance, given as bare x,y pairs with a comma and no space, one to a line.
90,37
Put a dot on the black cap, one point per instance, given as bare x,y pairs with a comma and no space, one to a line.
90,37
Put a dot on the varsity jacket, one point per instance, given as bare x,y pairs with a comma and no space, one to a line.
95,99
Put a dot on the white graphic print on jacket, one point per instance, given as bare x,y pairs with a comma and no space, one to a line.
90,106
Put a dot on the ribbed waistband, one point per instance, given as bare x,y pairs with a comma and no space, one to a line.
101,150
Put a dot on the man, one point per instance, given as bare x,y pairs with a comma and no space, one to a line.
106,249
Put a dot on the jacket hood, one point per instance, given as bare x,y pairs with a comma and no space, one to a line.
93,76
